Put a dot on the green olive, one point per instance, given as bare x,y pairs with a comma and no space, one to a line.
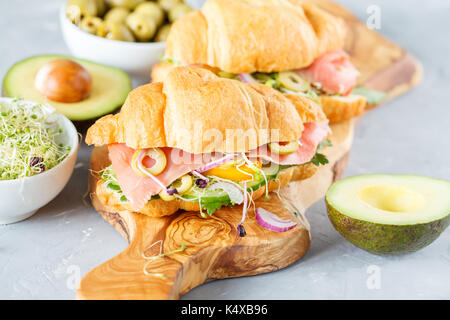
169,4
284,148
142,26
118,14
91,24
115,31
182,185
165,196
101,7
129,4
78,9
262,76
163,32
152,10
228,75
293,81
178,11
159,161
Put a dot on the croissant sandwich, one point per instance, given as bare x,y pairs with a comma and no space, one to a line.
199,142
290,45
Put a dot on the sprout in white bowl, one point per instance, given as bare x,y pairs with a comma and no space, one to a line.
37,156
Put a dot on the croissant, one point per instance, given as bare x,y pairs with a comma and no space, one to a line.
175,115
248,36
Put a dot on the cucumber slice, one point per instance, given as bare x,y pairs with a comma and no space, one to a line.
213,195
255,185
271,171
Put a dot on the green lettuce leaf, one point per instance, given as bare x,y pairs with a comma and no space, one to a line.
373,97
319,159
325,143
212,205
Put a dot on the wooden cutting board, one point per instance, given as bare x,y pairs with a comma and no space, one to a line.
213,249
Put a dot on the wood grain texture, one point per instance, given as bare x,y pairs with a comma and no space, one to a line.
213,249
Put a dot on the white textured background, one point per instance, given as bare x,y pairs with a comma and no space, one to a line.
408,135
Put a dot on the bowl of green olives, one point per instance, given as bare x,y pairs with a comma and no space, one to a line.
128,34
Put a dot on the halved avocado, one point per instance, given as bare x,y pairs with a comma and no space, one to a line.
110,87
389,214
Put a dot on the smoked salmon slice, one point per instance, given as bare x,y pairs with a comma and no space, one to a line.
332,73
139,190
313,134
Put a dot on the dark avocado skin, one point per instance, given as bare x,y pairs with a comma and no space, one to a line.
383,239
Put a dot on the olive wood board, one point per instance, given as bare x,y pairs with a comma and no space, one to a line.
213,248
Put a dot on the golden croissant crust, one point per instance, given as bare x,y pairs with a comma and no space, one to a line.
245,36
198,112
338,109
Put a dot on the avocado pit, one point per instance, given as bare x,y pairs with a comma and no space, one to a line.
64,80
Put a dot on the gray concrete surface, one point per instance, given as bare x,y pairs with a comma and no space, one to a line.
41,257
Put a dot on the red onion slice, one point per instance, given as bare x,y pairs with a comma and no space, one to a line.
246,77
271,222
199,175
215,163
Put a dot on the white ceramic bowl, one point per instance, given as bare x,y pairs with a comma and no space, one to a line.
21,198
136,58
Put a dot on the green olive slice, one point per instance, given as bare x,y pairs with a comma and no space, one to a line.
293,81
284,148
182,185
262,76
159,157
165,196
228,75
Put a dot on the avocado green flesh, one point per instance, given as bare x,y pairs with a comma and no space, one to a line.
110,87
389,214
